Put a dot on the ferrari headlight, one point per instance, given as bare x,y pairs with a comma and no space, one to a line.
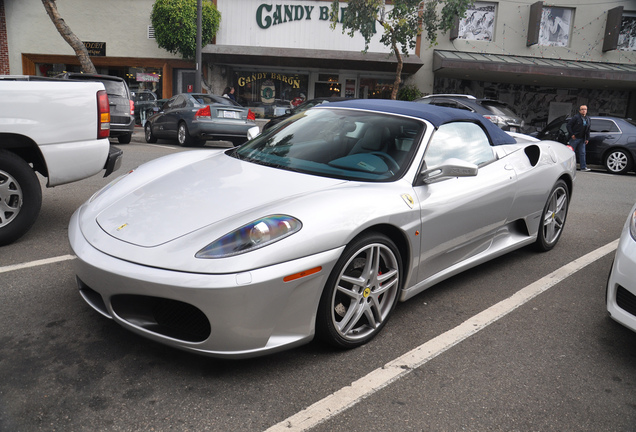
254,235
632,225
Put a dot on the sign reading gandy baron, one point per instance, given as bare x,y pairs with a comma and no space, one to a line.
287,24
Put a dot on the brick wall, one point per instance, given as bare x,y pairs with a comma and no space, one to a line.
4,46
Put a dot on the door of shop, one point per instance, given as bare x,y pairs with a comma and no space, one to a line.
327,85
184,81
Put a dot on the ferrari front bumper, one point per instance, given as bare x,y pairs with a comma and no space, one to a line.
235,315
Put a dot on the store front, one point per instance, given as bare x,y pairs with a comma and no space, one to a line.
284,53
269,93
141,74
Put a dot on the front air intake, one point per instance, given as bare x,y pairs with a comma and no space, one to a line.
167,317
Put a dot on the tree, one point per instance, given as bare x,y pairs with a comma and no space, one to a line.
401,25
175,23
68,35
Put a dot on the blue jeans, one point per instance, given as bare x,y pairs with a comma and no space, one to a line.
578,145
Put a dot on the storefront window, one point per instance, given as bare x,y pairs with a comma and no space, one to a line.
269,94
375,88
50,69
138,79
144,80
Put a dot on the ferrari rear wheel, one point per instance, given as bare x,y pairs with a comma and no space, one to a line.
361,292
553,218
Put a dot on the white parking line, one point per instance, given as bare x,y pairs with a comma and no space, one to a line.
36,263
369,384
162,146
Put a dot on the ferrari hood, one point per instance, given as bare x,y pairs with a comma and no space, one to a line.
199,194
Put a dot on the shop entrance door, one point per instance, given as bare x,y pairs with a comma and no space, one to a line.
348,85
327,85
326,89
184,81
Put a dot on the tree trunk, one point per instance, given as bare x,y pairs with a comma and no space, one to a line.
398,72
69,37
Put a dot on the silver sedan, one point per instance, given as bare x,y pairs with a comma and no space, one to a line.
316,228
194,118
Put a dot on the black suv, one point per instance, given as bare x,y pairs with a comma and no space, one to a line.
122,107
497,112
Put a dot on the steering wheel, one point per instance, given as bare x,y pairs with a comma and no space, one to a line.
390,162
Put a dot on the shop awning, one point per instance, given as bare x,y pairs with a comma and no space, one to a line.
533,70
307,58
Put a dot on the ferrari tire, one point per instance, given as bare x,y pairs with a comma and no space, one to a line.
553,217
361,292
150,137
617,161
20,197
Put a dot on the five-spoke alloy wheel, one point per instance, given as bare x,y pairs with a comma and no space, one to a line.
553,217
361,292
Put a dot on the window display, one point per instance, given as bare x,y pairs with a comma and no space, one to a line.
270,94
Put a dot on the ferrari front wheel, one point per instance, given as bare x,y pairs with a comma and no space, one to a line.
361,292
553,217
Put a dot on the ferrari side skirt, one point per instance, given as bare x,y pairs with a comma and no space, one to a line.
509,238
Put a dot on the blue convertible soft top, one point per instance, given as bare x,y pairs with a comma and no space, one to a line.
434,114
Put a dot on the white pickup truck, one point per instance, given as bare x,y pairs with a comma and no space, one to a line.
58,128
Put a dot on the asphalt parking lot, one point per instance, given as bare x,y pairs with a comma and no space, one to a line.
520,343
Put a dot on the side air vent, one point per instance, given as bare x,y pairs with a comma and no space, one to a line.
533,152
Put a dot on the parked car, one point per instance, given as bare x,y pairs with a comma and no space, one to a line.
193,118
497,112
145,105
612,141
122,107
319,226
300,108
621,284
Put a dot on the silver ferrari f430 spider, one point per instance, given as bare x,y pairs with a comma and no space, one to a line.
318,227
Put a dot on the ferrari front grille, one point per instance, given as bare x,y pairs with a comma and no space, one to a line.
626,300
167,317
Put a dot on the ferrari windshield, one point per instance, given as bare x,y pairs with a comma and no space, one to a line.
340,143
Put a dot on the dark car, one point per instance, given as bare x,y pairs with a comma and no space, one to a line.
612,141
145,105
300,108
500,113
193,118
122,107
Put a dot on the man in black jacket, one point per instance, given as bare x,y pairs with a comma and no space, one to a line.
579,132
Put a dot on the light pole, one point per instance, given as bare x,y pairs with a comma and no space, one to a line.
197,76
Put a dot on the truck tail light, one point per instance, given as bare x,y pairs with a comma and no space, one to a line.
204,112
103,115
132,106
